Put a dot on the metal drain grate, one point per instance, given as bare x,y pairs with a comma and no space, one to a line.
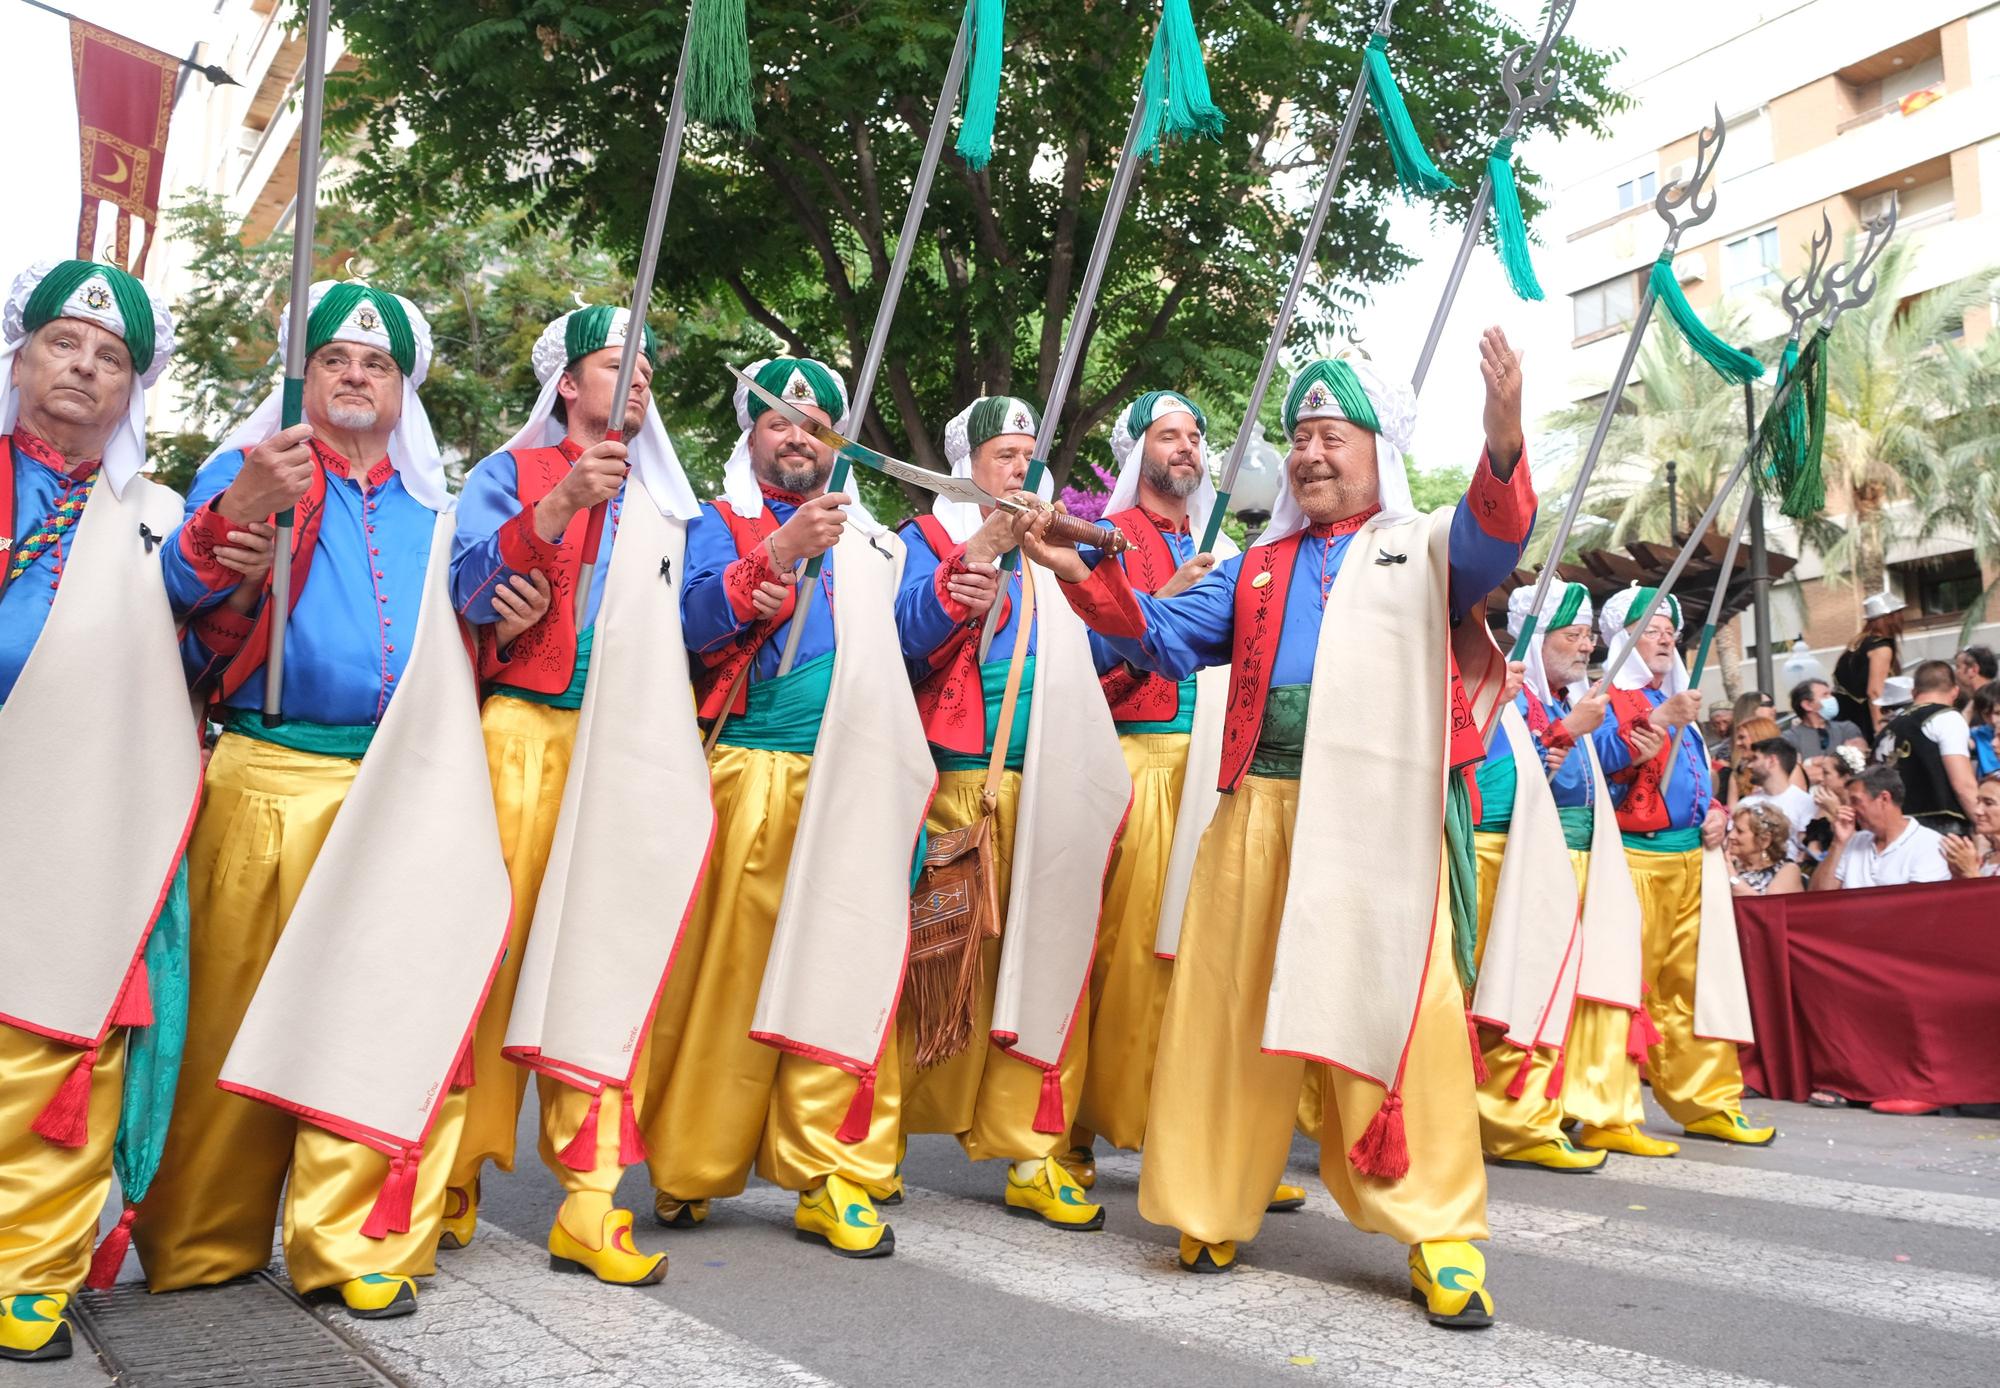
250,1333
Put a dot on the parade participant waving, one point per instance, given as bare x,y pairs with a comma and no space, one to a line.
1301,954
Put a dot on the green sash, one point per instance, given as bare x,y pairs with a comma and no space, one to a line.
993,680
571,697
1281,742
1665,841
1497,784
347,741
783,715
1576,821
1181,722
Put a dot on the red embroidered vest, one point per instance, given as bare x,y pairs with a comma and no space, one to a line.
1644,808
542,659
227,629
951,699
720,669
1138,696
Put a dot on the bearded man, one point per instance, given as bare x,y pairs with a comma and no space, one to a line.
1696,1011
587,983
1302,955
89,1007
347,897
772,1042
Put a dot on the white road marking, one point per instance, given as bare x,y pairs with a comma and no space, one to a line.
496,1315
1953,1211
1319,1329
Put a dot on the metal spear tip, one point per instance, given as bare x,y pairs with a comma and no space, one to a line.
1535,67
218,76
1852,284
1801,296
1693,195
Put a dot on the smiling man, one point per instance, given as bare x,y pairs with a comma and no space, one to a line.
95,733
1305,960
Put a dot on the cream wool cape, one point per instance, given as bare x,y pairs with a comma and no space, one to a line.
1200,796
399,928
1527,976
1721,1000
1366,885
1075,792
835,967
128,784
1612,956
633,834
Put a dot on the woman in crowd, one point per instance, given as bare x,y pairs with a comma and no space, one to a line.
1875,653
1827,777
1979,854
1758,835
1983,713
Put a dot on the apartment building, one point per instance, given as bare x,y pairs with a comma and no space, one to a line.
1831,106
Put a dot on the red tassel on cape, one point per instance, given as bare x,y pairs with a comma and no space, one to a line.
631,1146
1642,1034
65,1120
465,1076
1049,1112
1518,1086
110,1254
135,1004
391,1212
860,1113
581,1153
1383,1150
1480,1074
1554,1088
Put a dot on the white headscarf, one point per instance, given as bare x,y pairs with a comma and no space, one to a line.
1517,618
125,452
651,452
739,476
1395,410
1632,673
1127,448
413,448
961,518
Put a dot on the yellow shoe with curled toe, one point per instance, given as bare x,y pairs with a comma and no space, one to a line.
617,1260
1081,1164
1197,1256
1449,1277
670,1213
1053,1197
841,1215
461,1216
376,1296
1731,1126
32,1326
1286,1199
1554,1156
1633,1142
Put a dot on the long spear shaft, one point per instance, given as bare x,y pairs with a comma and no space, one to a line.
885,312
1481,204
1079,332
1357,101
1716,599
642,297
305,210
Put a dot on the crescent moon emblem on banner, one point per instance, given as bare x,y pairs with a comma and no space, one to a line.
121,173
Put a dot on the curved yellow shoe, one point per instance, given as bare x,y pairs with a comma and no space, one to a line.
1197,1256
376,1296
1731,1126
1286,1199
1633,1142
889,1192
1554,1156
1053,1197
461,1216
32,1326
1449,1277
617,1260
1081,1164
841,1215
670,1213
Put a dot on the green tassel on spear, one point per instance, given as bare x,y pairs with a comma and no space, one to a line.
719,67
1510,229
1414,169
987,20
1178,105
1731,363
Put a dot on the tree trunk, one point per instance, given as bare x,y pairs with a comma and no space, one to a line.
1869,560
1729,648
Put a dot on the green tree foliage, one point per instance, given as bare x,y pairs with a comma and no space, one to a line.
782,241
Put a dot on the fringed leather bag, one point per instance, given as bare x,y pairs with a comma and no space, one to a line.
955,904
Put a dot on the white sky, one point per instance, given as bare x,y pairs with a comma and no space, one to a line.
39,89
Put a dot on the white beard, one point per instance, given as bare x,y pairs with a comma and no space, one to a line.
351,417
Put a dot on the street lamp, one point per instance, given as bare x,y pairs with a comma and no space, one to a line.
1257,484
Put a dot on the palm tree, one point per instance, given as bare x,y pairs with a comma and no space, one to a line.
1966,496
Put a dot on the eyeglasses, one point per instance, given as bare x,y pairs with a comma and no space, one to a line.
376,366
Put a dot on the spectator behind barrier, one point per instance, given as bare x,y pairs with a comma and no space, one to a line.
1978,855
1930,743
1750,731
1774,766
1760,834
1875,844
1983,713
1828,776
1974,666
1817,726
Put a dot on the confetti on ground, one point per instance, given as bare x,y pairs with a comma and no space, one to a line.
1303,1360
1635,1207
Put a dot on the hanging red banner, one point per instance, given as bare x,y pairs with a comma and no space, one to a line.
124,100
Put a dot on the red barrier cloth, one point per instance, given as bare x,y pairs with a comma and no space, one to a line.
1875,993
124,99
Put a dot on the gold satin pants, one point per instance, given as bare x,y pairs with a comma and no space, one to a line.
50,1196
1691,1077
984,1096
1128,982
716,1101
528,749
1222,1110
1506,1125
265,812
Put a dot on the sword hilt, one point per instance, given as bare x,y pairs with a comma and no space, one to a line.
1077,531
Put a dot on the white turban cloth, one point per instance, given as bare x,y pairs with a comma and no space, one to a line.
1632,672
1552,604
1396,411
739,476
961,518
1129,451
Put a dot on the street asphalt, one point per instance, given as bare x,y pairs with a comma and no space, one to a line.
1860,1250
